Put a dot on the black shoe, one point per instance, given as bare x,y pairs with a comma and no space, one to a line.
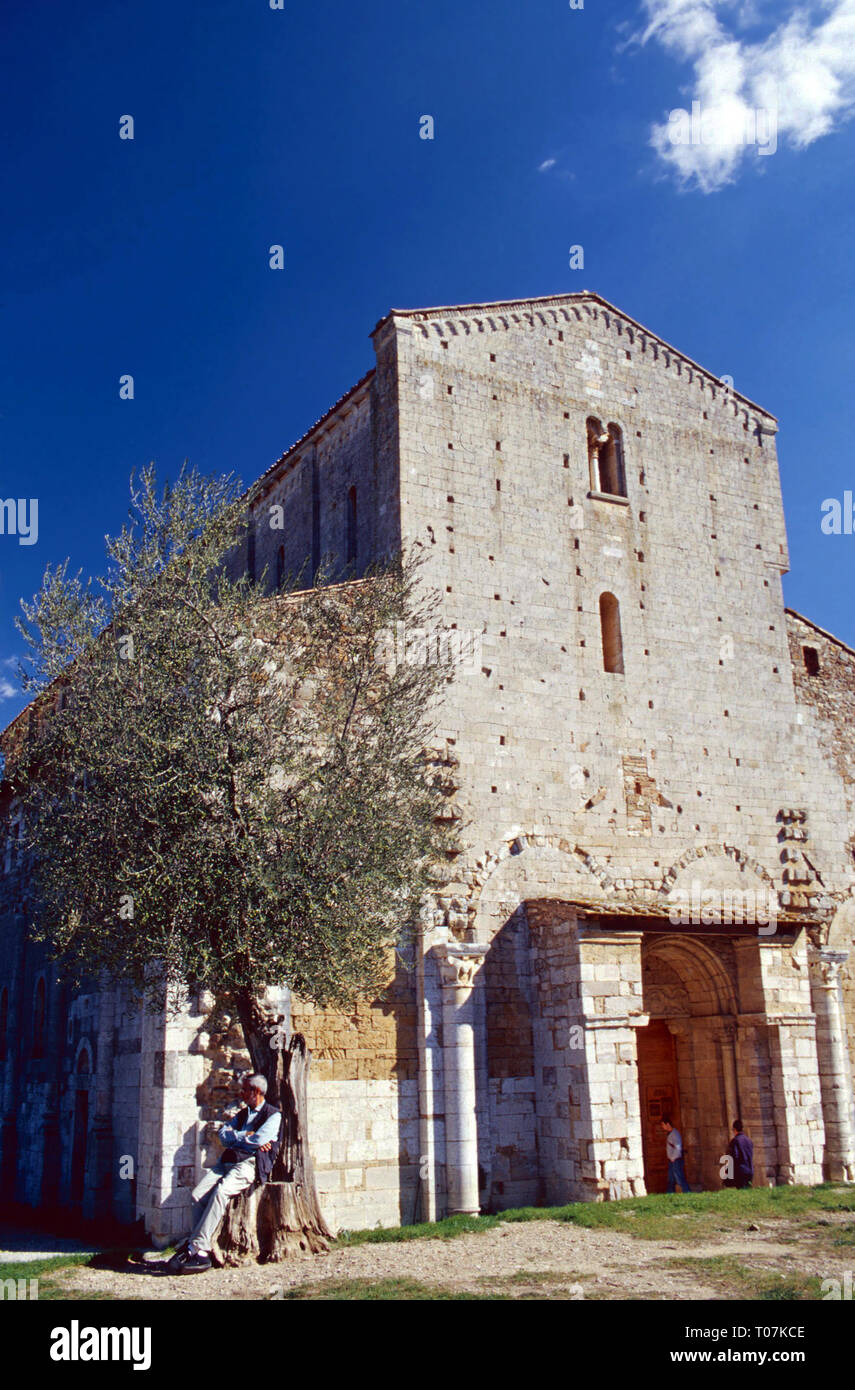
179,1259
195,1264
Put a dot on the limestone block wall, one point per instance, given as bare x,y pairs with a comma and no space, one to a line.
824,678
793,1102
508,1152
173,1068
125,1107
335,491
589,1005
825,687
311,487
684,748
363,1094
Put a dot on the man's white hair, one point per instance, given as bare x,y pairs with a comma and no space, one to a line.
258,1082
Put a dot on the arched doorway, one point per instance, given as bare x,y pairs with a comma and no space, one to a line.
686,1064
659,1089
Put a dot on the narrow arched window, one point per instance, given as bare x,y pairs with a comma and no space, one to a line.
280,566
611,634
351,526
250,551
39,1011
4,1022
605,458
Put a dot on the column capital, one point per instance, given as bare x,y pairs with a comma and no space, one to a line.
459,961
726,1025
831,963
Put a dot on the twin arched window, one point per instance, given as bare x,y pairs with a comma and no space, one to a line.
605,458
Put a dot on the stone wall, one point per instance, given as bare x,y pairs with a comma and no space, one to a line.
495,482
824,678
364,1105
303,514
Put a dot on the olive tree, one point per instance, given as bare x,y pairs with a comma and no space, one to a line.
225,787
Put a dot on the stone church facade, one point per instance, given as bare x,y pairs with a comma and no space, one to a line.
650,903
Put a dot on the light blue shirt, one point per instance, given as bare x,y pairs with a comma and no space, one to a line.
246,1141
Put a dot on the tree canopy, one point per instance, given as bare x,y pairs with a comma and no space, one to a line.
223,786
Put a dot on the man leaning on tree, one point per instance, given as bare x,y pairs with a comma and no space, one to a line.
251,1142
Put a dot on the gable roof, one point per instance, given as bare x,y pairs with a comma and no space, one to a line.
558,301
823,632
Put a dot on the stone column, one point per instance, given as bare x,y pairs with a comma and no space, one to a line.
458,964
727,1047
834,1071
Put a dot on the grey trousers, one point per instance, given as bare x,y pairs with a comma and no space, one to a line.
226,1180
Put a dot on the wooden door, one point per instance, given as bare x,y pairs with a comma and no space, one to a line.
660,1095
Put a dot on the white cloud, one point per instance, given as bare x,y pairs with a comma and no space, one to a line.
797,82
547,164
8,691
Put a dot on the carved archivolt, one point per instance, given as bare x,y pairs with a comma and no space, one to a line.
738,856
455,907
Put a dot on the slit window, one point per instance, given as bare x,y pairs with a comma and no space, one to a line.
605,458
280,566
4,1023
250,551
611,634
811,660
351,526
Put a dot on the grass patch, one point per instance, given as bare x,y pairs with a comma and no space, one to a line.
542,1285
737,1280
45,1271
683,1216
381,1291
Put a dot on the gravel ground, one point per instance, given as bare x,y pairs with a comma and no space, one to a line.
613,1264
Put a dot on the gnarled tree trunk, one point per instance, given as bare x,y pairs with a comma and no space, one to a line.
283,1218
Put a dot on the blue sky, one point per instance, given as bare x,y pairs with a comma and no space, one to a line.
300,126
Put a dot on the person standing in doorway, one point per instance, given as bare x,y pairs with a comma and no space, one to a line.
741,1150
674,1153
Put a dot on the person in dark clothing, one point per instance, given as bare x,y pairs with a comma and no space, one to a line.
741,1150
674,1153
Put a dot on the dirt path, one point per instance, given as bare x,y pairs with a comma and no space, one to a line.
514,1258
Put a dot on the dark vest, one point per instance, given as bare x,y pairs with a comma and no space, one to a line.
263,1161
